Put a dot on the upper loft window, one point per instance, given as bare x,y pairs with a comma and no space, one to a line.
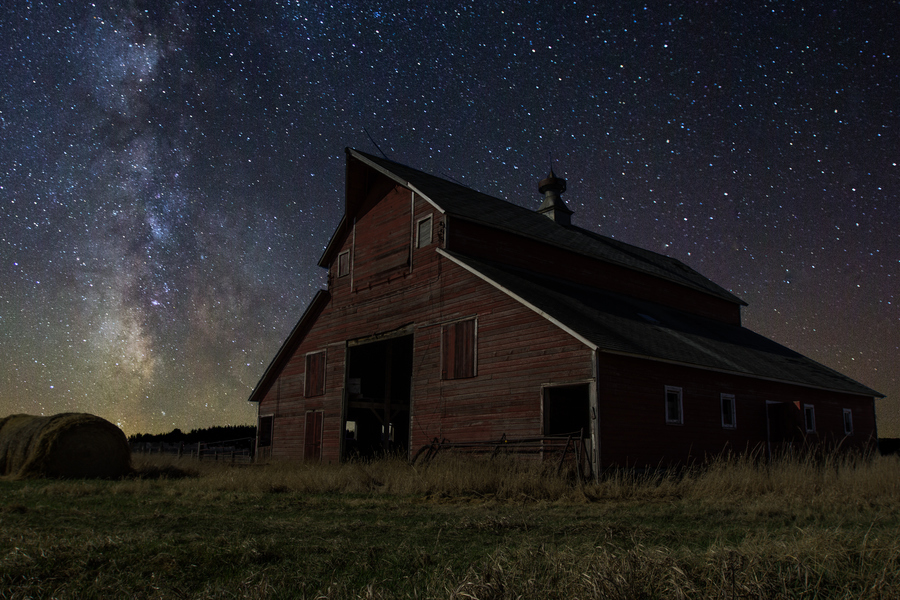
315,374
674,413
458,350
809,418
423,232
343,264
729,415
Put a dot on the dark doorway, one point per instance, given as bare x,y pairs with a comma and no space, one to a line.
379,375
567,410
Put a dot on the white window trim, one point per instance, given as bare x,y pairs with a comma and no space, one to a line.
730,398
848,413
680,419
419,222
812,412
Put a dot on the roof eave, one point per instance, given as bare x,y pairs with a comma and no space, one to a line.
315,307
393,176
334,243
866,392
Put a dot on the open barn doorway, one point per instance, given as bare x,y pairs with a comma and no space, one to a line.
379,376
567,410
567,415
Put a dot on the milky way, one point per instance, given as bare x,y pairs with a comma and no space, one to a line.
171,173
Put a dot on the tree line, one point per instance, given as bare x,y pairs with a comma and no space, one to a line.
218,433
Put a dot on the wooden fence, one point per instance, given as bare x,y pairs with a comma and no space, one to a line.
570,448
234,451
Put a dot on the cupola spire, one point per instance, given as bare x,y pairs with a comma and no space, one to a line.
554,207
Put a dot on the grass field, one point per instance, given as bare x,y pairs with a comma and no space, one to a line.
456,529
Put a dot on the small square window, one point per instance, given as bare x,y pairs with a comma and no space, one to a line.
344,263
848,421
673,405
809,418
423,232
729,415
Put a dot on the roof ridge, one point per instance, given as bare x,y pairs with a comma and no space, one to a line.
461,201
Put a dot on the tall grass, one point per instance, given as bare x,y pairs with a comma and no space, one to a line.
833,481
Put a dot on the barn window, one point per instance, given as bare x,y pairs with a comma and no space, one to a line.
265,431
729,417
848,421
809,418
673,405
315,374
344,263
458,350
423,232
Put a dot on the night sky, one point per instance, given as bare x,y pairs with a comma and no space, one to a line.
170,172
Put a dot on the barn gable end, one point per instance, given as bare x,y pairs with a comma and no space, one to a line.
455,316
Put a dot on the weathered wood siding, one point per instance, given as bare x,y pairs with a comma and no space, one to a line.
634,432
394,286
517,350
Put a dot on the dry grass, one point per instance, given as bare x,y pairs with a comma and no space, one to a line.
458,528
833,480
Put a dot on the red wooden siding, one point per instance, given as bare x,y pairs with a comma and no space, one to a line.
382,245
633,428
517,352
480,361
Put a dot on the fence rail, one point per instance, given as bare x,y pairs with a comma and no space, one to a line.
235,451
570,448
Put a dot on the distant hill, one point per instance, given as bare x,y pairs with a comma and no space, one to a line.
209,435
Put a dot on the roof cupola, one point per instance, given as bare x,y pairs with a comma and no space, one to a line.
554,207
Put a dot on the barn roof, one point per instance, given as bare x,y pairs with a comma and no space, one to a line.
619,324
465,203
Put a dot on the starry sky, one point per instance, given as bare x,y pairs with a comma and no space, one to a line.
170,172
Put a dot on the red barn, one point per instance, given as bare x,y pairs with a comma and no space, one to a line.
454,315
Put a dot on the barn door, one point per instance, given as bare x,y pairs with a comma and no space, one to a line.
312,449
379,392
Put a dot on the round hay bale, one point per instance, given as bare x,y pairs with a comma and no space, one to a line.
65,446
